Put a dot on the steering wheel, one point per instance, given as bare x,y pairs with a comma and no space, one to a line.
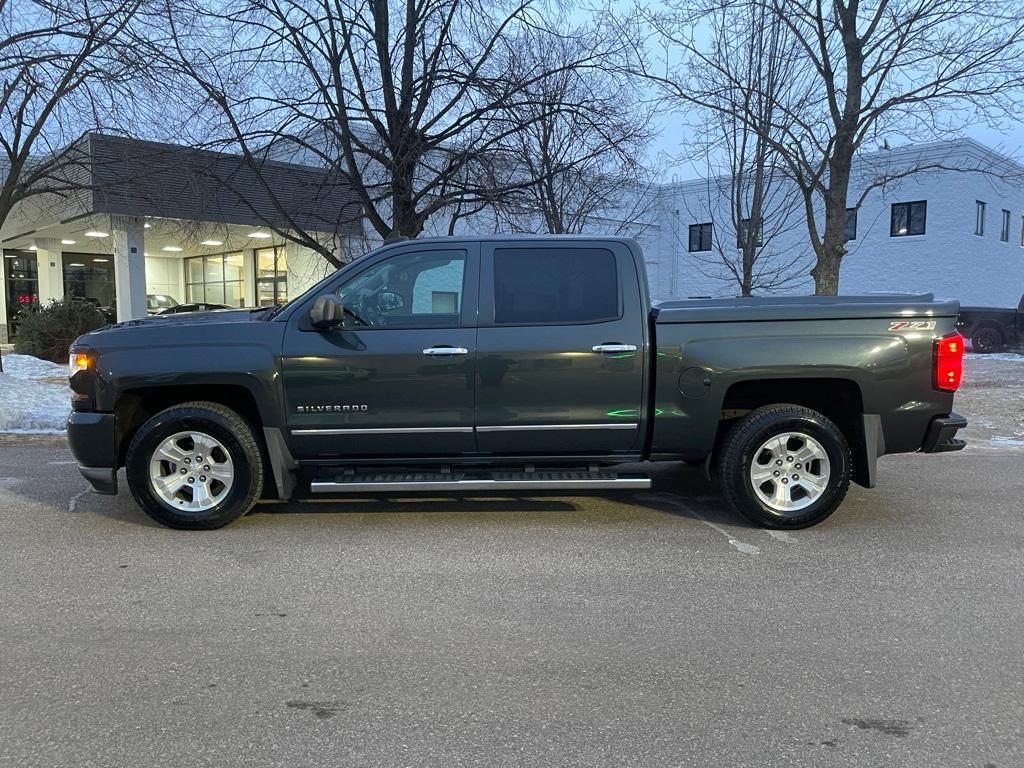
376,307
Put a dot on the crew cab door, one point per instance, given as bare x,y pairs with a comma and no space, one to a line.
560,349
396,379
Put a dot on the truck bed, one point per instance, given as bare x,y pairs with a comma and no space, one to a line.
922,305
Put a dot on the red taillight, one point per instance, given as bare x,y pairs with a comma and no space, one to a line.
949,362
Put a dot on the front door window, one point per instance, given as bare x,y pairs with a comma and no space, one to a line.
415,290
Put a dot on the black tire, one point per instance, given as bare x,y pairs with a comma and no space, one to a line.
753,431
236,436
986,340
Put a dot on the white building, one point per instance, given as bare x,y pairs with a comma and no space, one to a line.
953,232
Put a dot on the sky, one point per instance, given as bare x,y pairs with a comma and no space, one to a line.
668,151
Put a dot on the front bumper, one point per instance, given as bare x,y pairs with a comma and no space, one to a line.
93,440
941,435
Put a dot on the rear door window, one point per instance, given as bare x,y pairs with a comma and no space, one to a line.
534,286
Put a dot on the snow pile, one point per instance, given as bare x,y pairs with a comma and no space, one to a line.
34,395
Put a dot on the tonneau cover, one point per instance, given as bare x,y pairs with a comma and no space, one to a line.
922,305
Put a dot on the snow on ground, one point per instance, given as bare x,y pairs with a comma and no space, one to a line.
1009,357
992,400
34,395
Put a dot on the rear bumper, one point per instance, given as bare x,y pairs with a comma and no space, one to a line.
93,441
941,435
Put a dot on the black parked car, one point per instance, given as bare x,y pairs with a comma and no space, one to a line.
199,306
992,329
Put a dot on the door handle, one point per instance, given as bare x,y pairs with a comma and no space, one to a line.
610,348
442,351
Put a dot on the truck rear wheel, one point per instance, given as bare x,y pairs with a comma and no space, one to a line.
195,466
785,466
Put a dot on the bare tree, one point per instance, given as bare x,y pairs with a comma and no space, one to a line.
583,137
403,101
752,67
920,69
63,72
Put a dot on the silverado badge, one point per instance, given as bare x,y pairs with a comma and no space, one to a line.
330,408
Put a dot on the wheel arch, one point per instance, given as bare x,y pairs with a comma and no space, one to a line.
135,406
838,399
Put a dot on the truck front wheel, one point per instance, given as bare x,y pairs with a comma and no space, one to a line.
785,466
195,466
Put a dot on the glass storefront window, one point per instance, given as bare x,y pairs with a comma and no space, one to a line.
271,276
90,277
21,283
218,279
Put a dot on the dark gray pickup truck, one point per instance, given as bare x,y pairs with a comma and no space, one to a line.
518,364
992,329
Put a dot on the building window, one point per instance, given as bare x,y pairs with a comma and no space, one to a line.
979,218
21,282
700,237
850,225
744,228
908,218
271,276
1004,231
216,279
90,277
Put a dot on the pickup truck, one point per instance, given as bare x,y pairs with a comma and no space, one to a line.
517,364
992,329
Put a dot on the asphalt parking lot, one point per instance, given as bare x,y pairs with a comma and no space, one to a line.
644,629
639,629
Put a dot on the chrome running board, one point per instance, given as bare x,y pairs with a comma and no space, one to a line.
459,482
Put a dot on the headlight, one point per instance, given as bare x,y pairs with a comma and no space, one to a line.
78,361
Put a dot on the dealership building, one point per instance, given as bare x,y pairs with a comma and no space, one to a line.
152,224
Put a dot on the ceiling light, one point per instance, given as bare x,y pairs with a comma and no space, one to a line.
147,225
101,261
260,235
212,242
67,242
97,233
76,264
31,248
172,249
10,255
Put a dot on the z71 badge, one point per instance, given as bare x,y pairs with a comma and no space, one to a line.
912,325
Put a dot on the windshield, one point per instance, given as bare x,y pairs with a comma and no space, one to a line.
160,301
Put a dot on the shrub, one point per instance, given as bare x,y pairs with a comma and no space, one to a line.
47,332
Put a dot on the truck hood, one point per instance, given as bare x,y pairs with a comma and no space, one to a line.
188,328
194,318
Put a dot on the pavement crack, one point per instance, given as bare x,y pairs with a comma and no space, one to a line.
742,546
73,501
